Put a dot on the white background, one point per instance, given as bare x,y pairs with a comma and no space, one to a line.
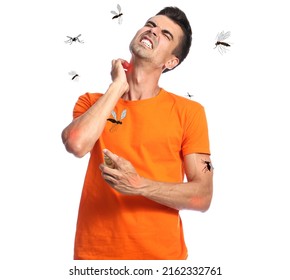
246,231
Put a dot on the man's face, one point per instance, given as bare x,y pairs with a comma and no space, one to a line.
156,41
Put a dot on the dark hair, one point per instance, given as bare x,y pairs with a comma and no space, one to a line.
179,17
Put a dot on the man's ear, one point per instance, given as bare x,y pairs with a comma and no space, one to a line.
171,63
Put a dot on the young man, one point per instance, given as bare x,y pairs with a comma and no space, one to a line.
142,140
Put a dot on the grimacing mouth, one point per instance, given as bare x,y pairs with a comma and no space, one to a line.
145,40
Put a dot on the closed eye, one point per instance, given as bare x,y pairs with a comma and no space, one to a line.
150,24
165,32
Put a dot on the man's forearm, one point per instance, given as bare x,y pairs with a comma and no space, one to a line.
189,195
196,194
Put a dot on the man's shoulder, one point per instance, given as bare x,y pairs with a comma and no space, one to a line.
90,97
182,101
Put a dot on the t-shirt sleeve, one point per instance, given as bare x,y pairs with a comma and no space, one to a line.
196,139
83,103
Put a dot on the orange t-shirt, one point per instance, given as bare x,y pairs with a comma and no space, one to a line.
154,135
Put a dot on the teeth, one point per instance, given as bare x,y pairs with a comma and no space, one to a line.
147,43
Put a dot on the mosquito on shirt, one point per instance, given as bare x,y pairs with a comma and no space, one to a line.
115,122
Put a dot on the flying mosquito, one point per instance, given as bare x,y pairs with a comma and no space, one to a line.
220,44
73,39
118,14
189,95
75,76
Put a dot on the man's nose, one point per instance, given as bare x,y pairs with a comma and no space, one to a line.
155,31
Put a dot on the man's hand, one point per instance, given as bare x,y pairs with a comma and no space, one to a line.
123,177
118,73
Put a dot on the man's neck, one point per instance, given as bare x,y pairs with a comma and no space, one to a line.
143,84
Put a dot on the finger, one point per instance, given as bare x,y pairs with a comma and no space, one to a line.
109,174
112,156
107,170
124,63
110,180
121,60
109,162
102,167
116,63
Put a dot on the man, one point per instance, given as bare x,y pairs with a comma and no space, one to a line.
142,141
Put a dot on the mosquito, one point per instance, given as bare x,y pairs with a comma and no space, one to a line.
74,75
115,120
118,14
74,39
208,166
220,44
189,95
